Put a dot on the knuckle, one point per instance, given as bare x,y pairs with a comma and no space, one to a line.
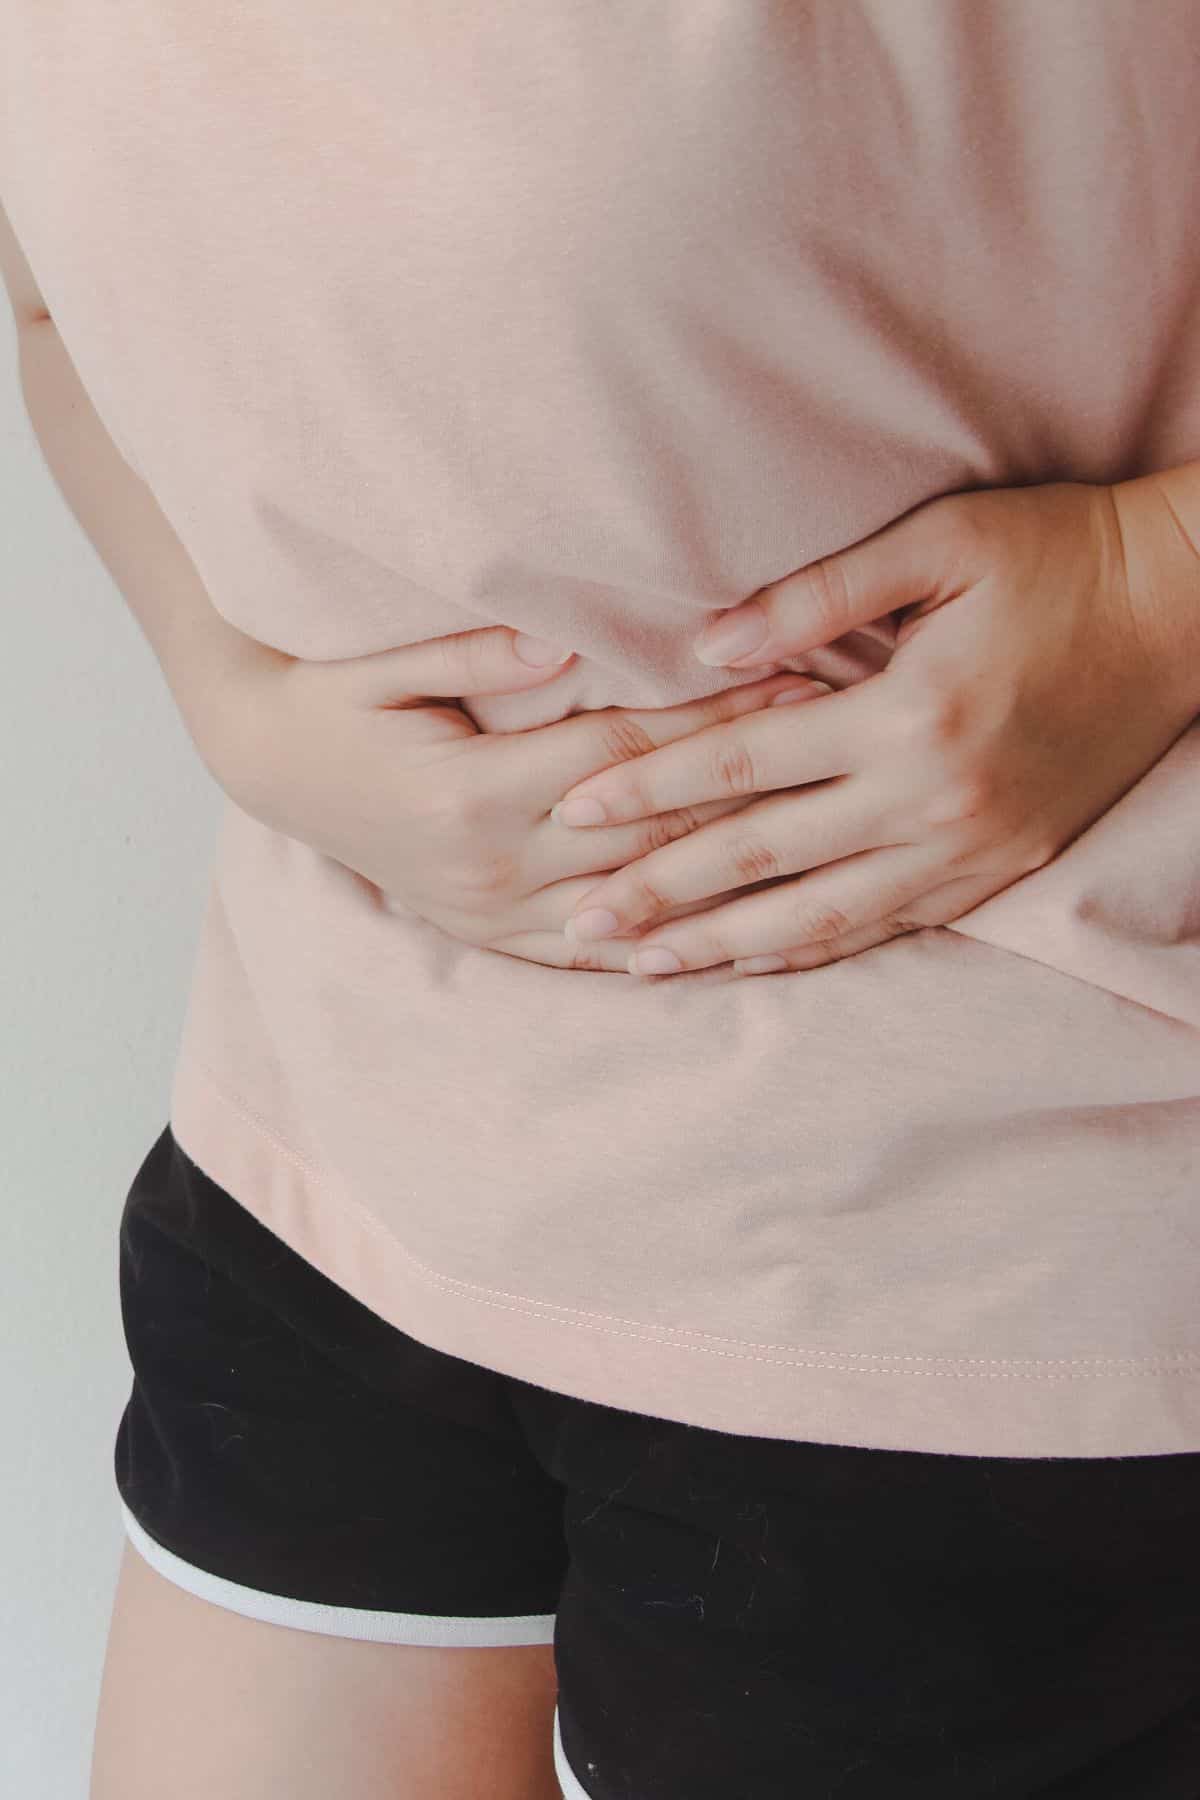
817,920
941,717
962,846
644,898
911,718
1039,849
929,718
621,737
964,799
485,876
469,865
458,809
662,829
963,526
752,860
976,794
827,594
463,658
895,924
733,769
585,956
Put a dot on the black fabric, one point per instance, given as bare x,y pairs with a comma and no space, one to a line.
738,1618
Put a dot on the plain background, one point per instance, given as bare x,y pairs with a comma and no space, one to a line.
109,822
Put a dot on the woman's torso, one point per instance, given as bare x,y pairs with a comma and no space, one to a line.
588,321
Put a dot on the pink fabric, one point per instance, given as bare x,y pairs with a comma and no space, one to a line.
588,320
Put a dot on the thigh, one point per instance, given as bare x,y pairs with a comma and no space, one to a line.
198,1701
769,1619
281,1437
344,1559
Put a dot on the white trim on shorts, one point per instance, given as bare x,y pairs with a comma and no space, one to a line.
565,1775
433,1630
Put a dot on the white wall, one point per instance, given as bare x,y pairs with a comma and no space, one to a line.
107,826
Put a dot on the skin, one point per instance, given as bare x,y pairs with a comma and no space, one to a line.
195,1700
986,744
457,824
1046,659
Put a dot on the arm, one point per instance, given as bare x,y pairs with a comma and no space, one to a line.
1160,518
1022,769
360,758
201,655
218,676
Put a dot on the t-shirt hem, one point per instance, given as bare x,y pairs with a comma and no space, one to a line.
1019,1407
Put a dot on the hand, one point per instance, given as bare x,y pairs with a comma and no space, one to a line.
1025,695
361,760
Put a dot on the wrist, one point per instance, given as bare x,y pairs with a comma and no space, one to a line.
230,703
1159,517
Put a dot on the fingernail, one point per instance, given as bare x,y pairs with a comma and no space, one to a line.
538,653
583,811
759,965
804,693
741,630
654,961
596,922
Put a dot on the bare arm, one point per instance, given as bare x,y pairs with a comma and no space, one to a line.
361,758
1160,516
199,652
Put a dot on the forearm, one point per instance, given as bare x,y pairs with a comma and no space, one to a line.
201,655
1160,520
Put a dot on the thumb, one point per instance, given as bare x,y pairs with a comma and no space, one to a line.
901,564
488,660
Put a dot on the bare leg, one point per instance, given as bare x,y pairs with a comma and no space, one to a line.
197,1701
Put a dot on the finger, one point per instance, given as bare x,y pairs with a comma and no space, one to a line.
907,561
939,907
829,903
812,956
555,855
771,748
768,839
613,735
557,952
488,660
542,938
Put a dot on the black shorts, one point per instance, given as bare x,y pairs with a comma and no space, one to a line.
733,1618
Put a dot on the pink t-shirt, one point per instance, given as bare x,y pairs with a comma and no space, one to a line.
589,320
